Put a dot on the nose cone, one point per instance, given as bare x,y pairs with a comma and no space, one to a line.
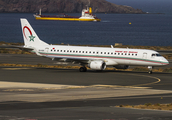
165,62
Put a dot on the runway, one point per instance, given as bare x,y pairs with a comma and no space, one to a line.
51,94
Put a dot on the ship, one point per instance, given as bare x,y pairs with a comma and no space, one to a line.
86,15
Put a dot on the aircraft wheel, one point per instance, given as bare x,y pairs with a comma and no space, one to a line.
82,69
150,72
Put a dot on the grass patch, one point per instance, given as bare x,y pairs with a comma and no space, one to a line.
156,106
143,69
168,70
168,56
38,66
13,51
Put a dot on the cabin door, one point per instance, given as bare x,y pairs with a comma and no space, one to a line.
144,55
46,50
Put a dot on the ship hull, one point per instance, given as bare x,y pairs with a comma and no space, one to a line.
66,19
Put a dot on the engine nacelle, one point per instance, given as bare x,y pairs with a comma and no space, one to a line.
121,66
97,65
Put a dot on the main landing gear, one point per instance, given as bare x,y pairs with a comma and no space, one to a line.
150,69
83,69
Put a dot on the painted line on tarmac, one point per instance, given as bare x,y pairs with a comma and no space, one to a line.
118,86
139,85
16,68
158,80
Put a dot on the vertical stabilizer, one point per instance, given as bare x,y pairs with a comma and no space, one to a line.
30,37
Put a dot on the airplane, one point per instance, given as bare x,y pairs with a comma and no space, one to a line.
95,58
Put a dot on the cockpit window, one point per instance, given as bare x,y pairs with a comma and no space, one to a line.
158,55
153,55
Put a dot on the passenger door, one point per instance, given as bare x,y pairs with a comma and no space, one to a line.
144,55
46,50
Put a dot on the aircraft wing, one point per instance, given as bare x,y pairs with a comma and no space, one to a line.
4,46
19,47
69,59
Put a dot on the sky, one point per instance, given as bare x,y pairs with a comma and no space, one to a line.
153,6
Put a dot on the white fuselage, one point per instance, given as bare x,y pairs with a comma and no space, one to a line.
111,56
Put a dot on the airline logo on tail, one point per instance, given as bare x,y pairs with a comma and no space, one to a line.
31,35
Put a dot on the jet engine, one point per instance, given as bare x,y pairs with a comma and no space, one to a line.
121,66
97,65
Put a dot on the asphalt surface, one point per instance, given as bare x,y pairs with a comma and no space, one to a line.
90,95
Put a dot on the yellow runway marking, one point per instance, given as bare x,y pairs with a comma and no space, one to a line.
132,86
16,68
158,80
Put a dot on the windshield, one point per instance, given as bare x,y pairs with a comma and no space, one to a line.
156,54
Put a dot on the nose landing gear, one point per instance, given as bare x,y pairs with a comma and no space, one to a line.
150,69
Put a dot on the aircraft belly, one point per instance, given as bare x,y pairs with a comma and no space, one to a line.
132,62
145,63
110,62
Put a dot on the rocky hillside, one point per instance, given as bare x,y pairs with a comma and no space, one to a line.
63,6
